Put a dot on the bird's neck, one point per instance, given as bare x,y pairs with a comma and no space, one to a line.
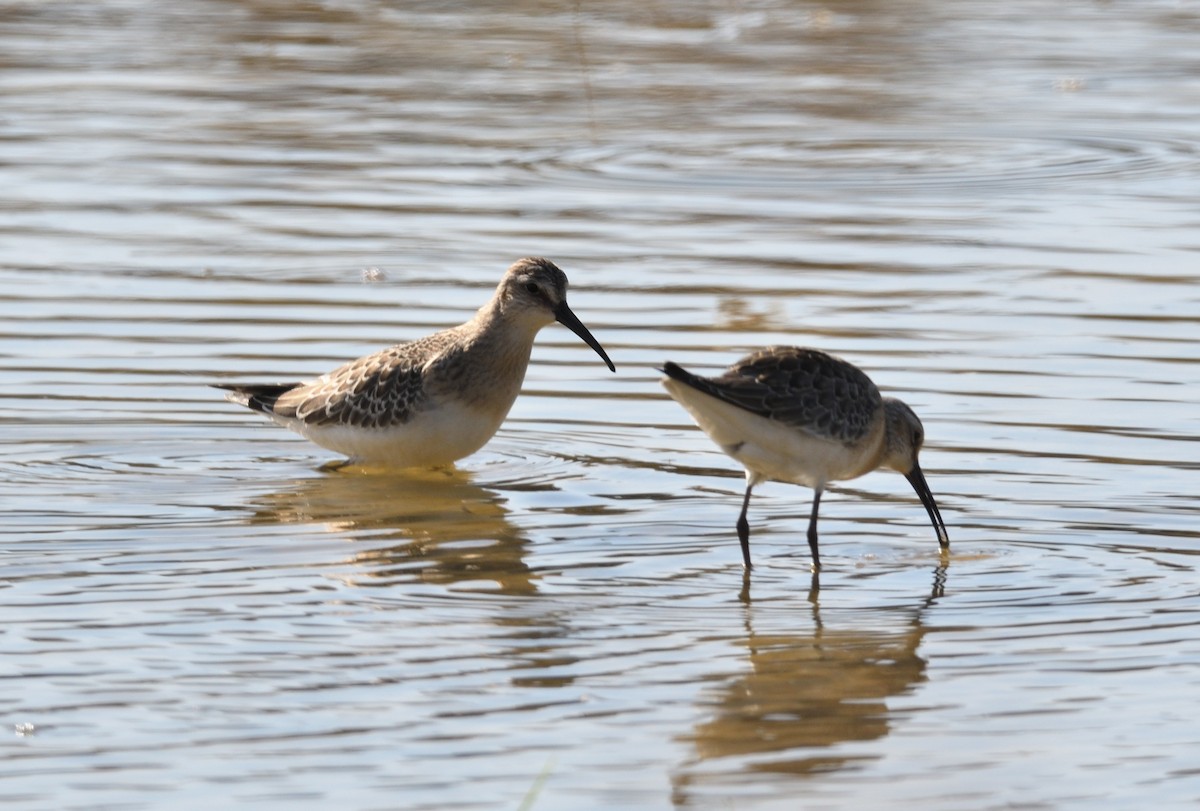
504,326
500,346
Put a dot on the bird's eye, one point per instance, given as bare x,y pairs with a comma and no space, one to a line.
532,287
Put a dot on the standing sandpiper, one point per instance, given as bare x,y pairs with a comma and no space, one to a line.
435,400
802,416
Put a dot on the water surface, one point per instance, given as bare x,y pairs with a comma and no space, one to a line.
990,209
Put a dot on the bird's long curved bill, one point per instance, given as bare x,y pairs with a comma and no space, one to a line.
568,319
917,479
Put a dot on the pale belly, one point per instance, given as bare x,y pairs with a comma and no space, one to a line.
434,438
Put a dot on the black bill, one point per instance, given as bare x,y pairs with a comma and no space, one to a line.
564,316
917,479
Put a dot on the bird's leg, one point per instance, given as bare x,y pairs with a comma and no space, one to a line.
812,530
743,526
744,594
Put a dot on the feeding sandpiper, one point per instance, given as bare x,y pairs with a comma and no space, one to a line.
802,416
435,400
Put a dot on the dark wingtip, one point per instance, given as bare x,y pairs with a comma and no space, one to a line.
675,372
255,396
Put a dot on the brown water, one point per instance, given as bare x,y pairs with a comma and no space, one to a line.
990,207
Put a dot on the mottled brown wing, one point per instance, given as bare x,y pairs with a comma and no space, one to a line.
804,388
386,388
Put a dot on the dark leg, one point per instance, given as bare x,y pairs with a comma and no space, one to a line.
743,527
812,531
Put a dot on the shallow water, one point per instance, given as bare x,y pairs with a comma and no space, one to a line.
991,210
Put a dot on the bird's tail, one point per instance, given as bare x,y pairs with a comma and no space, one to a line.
676,372
255,396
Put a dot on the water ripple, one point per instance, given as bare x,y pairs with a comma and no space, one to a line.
895,160
989,207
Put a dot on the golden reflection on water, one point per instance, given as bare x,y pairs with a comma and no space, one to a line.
806,693
439,526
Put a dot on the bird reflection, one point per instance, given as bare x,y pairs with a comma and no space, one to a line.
436,525
806,693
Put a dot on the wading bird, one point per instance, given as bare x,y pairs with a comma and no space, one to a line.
435,400
802,416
